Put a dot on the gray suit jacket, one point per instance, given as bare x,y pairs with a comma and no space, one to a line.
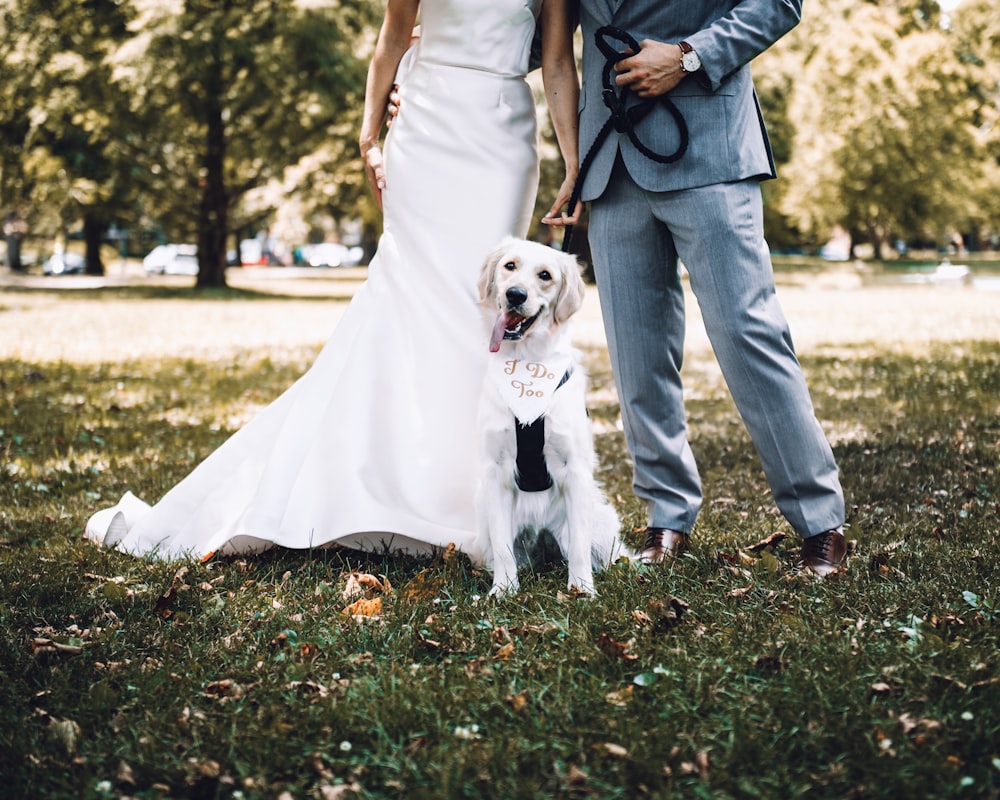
727,139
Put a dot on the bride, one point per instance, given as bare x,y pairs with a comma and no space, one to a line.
374,447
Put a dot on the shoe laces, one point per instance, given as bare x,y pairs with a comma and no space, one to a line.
821,545
654,538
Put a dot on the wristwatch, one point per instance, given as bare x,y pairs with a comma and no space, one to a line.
689,58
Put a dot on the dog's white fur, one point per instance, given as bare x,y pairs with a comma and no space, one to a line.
573,510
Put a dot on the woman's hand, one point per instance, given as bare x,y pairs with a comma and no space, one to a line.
556,216
375,172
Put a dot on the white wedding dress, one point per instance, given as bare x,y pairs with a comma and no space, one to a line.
375,446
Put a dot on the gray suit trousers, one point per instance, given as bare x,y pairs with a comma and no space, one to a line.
636,238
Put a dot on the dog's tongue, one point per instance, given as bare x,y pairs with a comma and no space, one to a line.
505,320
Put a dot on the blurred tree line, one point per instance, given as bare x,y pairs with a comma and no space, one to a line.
204,119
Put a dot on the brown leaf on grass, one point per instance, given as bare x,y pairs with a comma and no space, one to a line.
341,791
318,765
364,608
948,680
450,556
732,561
312,688
504,652
576,777
700,766
616,649
44,648
125,778
919,730
224,690
611,749
573,593
666,612
642,619
516,702
308,652
164,607
880,565
620,697
365,584
768,541
425,585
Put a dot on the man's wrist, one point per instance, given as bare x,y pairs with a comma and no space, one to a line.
690,62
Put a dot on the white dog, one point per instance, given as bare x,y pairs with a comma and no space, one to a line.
537,442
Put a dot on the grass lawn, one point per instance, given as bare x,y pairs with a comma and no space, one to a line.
724,676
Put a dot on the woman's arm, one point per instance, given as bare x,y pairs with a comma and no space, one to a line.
562,92
393,40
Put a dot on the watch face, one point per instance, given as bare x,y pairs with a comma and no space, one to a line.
691,62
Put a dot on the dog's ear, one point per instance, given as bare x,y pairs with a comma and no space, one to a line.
488,272
571,293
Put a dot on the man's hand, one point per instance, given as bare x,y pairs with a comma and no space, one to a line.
654,70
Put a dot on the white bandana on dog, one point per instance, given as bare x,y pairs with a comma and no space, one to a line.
529,387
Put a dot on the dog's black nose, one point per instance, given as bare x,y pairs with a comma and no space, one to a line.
516,296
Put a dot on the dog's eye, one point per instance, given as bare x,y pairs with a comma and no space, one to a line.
545,275
510,266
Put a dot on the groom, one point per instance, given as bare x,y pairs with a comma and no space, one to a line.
703,209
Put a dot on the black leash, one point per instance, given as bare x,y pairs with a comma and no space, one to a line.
622,119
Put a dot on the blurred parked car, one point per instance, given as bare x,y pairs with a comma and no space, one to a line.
253,254
64,264
172,259
331,254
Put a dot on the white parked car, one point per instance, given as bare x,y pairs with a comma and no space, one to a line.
64,264
172,259
331,254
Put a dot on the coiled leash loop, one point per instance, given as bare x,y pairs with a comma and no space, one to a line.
622,118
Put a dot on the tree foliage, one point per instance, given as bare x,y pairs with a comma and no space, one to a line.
231,94
887,141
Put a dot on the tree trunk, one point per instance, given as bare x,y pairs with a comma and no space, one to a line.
93,234
14,229
214,217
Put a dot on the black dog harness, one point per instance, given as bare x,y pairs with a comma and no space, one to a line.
531,473
623,119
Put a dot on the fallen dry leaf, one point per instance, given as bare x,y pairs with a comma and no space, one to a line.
425,585
42,648
504,651
363,583
364,608
516,702
616,649
309,688
666,613
612,749
773,539
620,697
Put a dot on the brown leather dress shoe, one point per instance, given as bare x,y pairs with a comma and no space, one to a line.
824,553
663,544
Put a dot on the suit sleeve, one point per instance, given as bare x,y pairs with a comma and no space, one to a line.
735,39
